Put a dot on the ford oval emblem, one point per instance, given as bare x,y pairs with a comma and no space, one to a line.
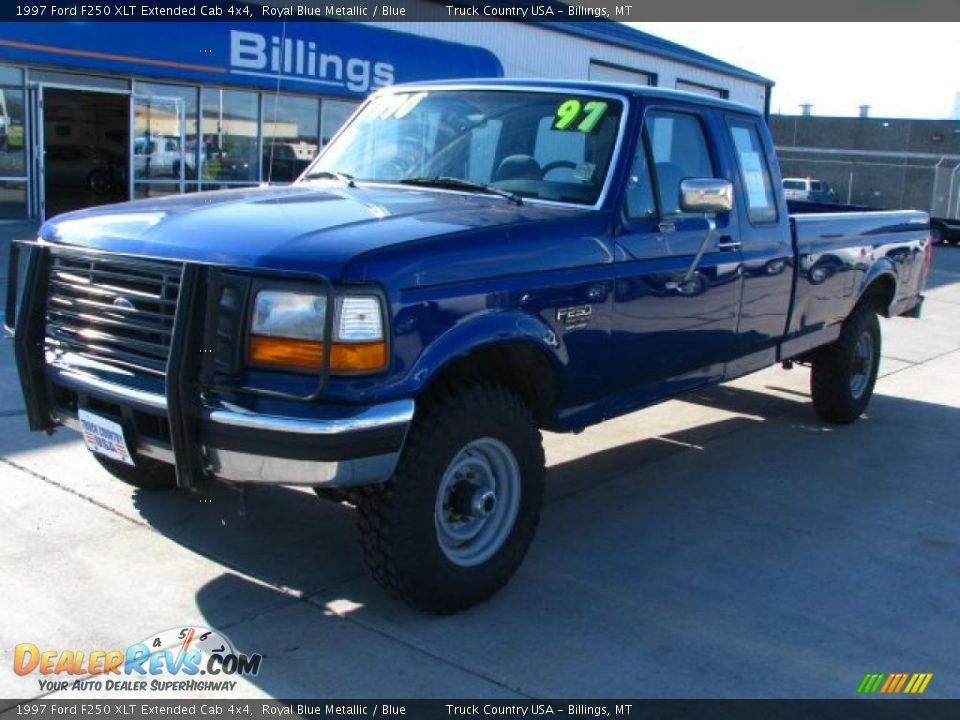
123,303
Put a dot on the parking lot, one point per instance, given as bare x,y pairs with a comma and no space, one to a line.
723,545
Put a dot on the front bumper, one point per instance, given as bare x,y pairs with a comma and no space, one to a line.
185,421
351,446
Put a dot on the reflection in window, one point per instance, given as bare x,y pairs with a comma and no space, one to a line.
11,132
290,132
228,130
333,114
188,99
12,142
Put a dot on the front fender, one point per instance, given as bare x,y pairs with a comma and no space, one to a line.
481,331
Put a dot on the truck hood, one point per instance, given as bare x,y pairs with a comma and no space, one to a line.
315,228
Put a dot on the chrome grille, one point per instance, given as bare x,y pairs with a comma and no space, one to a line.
113,310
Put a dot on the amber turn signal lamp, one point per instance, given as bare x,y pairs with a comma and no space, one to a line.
308,354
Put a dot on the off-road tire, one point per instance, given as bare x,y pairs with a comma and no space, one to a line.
149,474
396,520
835,365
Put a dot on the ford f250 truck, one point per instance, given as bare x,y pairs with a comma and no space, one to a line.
464,265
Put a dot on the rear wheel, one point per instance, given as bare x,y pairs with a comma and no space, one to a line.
844,373
149,474
455,521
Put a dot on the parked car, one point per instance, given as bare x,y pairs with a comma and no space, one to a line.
398,326
158,157
808,189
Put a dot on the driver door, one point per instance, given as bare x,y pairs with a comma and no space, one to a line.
671,335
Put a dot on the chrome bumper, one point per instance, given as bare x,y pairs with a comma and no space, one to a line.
360,446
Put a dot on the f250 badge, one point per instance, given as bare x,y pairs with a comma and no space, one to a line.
575,316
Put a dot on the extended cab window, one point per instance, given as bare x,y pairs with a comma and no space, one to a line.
754,172
680,151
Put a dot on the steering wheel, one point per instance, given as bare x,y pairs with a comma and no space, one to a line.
556,165
402,162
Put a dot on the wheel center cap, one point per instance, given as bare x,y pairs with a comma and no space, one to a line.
483,503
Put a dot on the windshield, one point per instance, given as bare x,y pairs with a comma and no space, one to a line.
544,145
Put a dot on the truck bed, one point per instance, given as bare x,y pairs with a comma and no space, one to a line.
841,251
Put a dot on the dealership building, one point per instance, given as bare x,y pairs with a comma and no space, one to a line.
92,113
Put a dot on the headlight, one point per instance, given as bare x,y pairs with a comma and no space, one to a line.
291,315
287,331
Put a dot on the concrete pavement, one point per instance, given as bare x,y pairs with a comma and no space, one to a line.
723,545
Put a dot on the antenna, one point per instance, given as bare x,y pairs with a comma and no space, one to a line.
276,100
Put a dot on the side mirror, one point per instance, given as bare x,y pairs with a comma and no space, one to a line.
706,195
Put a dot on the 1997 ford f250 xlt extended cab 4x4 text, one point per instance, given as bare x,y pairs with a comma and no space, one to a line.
463,265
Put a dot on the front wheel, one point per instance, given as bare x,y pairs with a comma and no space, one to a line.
455,521
844,372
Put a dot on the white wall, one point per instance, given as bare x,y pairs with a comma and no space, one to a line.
531,51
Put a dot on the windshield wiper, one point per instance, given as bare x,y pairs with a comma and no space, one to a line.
328,175
454,183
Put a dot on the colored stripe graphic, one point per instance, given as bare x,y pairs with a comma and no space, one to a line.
918,683
894,683
871,682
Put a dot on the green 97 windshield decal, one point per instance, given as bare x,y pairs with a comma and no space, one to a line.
583,116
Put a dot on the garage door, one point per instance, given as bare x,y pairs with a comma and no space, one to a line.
616,73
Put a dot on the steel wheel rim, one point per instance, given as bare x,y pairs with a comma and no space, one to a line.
481,467
862,365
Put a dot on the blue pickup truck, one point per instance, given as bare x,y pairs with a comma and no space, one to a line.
464,265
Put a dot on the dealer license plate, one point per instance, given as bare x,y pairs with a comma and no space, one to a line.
104,437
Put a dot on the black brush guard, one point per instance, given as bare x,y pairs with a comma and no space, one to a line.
190,372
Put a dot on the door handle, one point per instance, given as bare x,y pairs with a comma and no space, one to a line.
728,243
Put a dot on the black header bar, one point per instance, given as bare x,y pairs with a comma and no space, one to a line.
872,709
483,11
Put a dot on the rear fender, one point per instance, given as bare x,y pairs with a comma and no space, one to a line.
885,272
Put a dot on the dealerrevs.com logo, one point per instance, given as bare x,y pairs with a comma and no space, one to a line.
183,659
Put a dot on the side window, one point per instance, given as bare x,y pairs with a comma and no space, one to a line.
680,151
641,203
754,172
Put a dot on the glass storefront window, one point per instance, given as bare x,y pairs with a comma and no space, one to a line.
290,132
12,135
13,156
188,100
229,136
333,114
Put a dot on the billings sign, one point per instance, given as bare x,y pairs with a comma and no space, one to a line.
260,55
328,58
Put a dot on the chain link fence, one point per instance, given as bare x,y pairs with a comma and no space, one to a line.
917,183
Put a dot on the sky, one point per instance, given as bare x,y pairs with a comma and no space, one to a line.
909,70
